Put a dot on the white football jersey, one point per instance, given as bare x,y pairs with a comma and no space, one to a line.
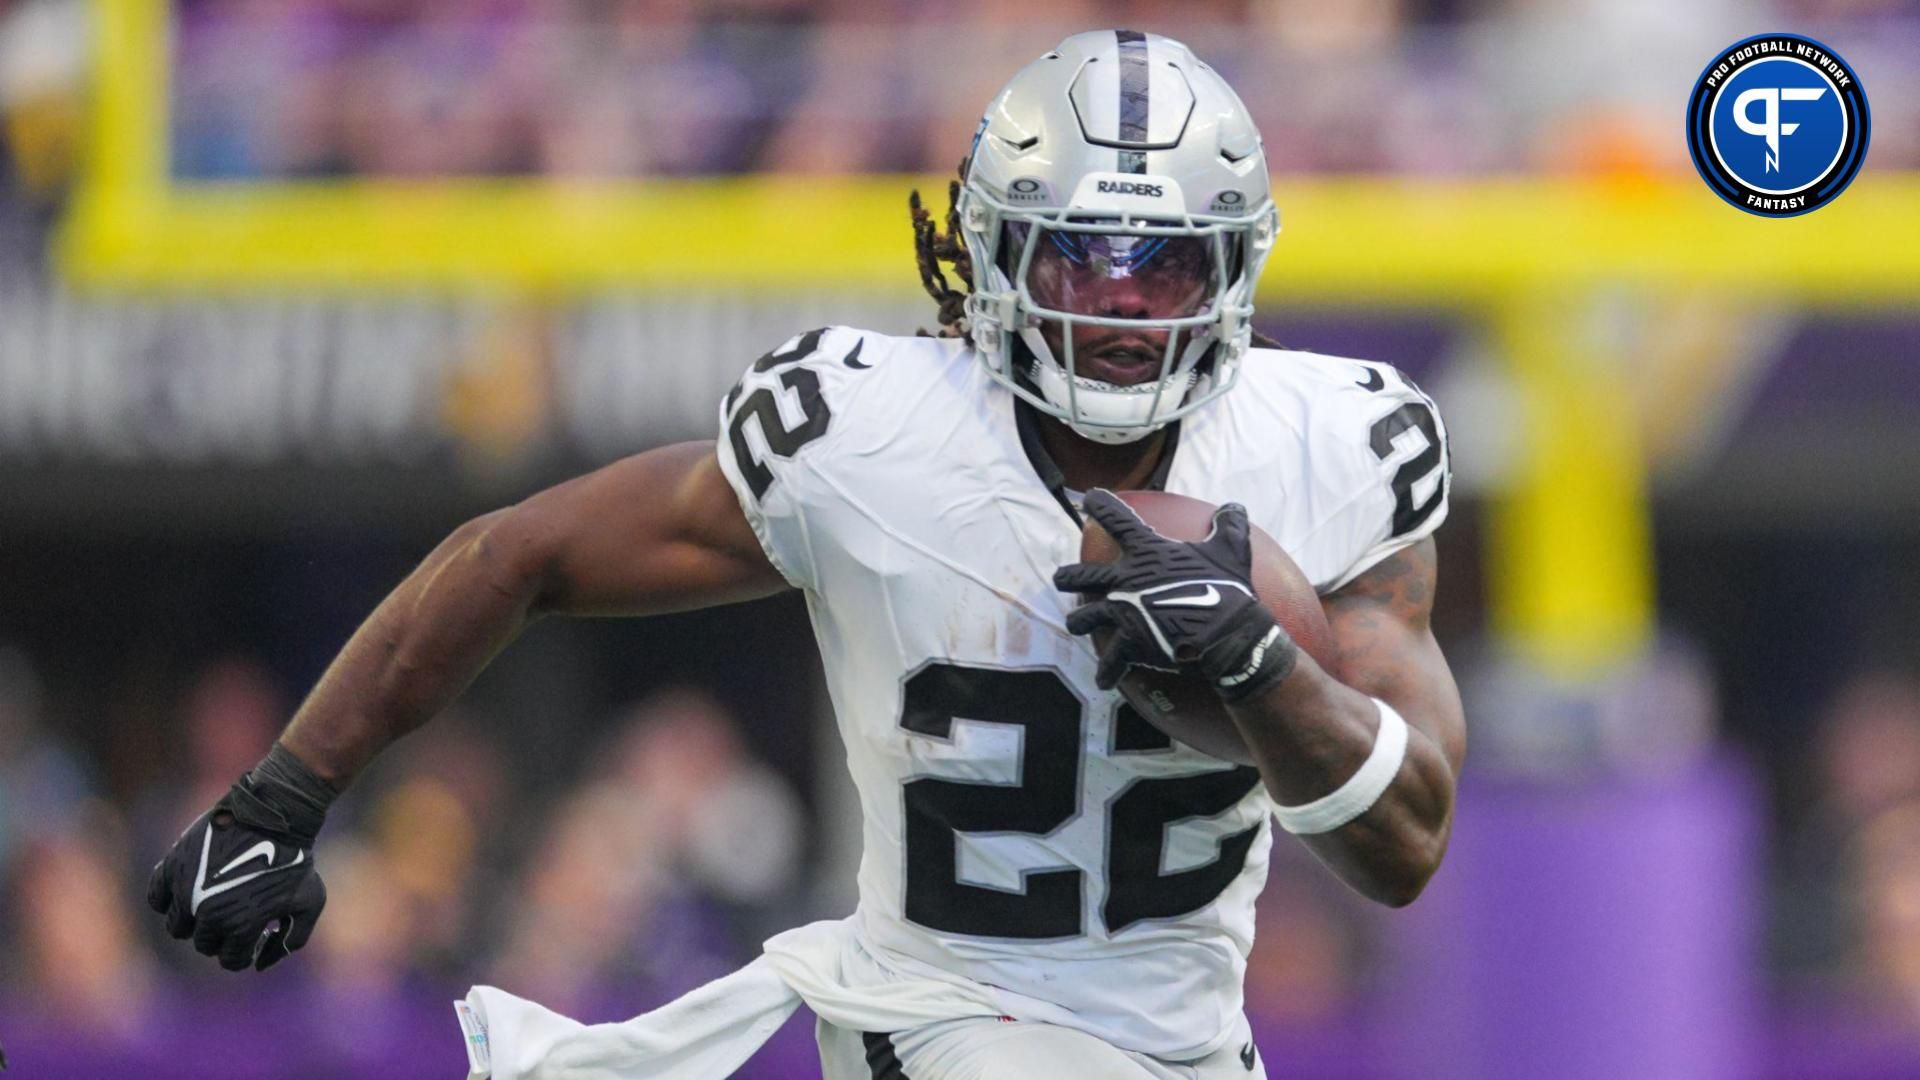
1024,829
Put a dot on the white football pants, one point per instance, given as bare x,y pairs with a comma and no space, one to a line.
986,1048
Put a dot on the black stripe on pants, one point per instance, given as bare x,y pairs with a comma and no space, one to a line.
882,1060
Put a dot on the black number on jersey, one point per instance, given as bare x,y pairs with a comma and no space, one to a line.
1047,797
1413,415
1137,823
763,405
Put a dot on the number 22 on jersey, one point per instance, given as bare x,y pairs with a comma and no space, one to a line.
1052,720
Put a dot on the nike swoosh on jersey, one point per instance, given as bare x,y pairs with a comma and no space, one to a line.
1373,381
203,892
1210,598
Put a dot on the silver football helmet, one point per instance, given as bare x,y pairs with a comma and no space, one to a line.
1116,182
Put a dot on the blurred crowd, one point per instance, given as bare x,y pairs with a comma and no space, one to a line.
660,867
611,88
1849,916
617,88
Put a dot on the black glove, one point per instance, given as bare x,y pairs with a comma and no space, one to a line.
240,881
1178,606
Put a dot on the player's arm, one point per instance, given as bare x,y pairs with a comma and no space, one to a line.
1313,730
657,532
660,531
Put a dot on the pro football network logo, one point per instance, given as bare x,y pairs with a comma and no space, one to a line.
1778,125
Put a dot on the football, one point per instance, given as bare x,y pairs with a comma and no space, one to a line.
1184,706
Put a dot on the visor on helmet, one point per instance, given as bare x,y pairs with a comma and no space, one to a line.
1108,274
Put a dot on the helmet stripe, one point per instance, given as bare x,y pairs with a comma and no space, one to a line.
1134,98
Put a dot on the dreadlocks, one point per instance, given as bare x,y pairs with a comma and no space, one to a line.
932,247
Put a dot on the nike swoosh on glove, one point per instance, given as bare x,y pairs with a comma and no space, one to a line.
1178,606
241,880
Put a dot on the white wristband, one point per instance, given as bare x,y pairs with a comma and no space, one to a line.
1354,797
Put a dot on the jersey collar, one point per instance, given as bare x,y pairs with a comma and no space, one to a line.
1028,420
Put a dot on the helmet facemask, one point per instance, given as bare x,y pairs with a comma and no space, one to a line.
1173,290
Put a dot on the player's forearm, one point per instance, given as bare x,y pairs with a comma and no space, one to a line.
419,649
1310,734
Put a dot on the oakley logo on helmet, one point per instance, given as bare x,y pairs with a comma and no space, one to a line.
1130,187
1027,189
1229,202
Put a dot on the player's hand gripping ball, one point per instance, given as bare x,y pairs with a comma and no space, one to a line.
1190,606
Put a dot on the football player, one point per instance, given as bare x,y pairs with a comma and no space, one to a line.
1030,841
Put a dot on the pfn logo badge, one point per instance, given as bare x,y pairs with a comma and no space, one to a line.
1778,125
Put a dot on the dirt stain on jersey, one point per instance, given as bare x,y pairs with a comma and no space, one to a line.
1019,633
970,633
